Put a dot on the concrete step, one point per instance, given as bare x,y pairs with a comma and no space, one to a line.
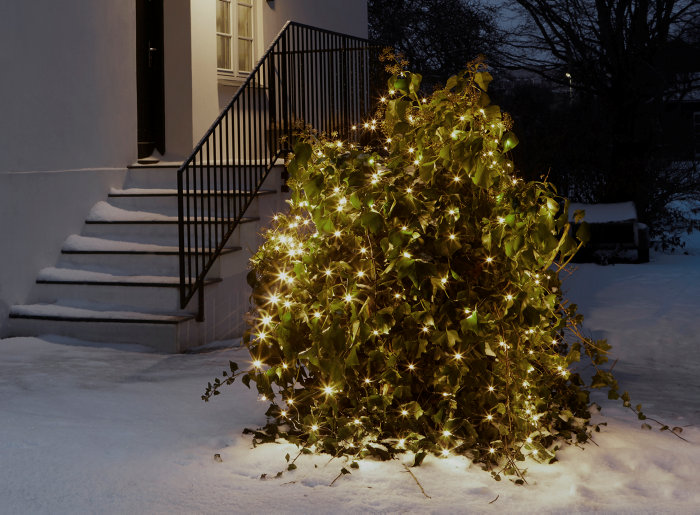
165,201
162,332
150,293
164,175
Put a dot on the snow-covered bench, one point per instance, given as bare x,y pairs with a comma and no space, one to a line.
616,235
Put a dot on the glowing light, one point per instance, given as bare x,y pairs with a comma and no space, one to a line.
342,201
445,452
404,228
283,413
266,320
354,127
452,236
328,272
348,298
501,220
368,380
328,390
407,255
363,250
443,280
451,212
416,162
490,388
402,442
409,190
336,190
404,412
336,234
456,178
375,332
257,363
489,259
534,452
492,450
287,304
314,427
458,356
285,366
397,295
509,297
357,422
388,140
425,329
290,401
528,440
274,298
382,100
339,144
361,273
489,417
454,134
262,335
317,314
411,366
411,150
391,91
446,433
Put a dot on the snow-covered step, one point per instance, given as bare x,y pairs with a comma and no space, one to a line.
148,227
163,332
164,200
164,175
152,293
127,257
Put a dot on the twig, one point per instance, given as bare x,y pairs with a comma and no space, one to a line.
416,480
491,502
336,478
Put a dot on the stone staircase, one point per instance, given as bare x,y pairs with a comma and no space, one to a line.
118,280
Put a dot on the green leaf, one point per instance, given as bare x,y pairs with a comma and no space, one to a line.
372,221
483,79
510,141
420,456
583,233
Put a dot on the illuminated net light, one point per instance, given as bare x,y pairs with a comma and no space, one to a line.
257,363
368,380
336,234
456,178
452,236
283,413
357,422
375,332
287,304
328,390
402,442
489,417
361,274
266,320
348,298
404,412
445,452
411,366
274,298
446,433
285,366
317,314
407,255
490,388
363,250
492,450
528,440
489,259
409,190
443,280
314,427
509,297
404,228
458,356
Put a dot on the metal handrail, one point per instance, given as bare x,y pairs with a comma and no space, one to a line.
307,75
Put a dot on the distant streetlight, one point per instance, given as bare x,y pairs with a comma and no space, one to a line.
571,91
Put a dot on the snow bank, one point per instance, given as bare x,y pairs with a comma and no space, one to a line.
119,430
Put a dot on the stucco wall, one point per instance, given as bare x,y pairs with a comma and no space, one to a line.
345,16
68,87
38,210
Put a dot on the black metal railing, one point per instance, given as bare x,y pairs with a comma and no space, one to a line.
308,75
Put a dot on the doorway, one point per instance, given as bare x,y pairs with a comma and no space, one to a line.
150,79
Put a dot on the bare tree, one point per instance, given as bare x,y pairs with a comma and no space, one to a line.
437,37
624,59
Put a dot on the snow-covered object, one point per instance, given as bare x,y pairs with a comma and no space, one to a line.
605,213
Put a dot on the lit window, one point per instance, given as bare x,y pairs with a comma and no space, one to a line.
234,36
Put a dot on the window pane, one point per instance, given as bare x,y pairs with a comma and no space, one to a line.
245,55
223,17
245,27
223,52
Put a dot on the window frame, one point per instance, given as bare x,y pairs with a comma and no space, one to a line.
234,76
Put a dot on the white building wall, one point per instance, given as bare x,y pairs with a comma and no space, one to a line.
68,88
345,16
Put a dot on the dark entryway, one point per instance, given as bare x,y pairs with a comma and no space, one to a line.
150,77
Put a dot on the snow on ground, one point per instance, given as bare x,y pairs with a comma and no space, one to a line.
116,429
